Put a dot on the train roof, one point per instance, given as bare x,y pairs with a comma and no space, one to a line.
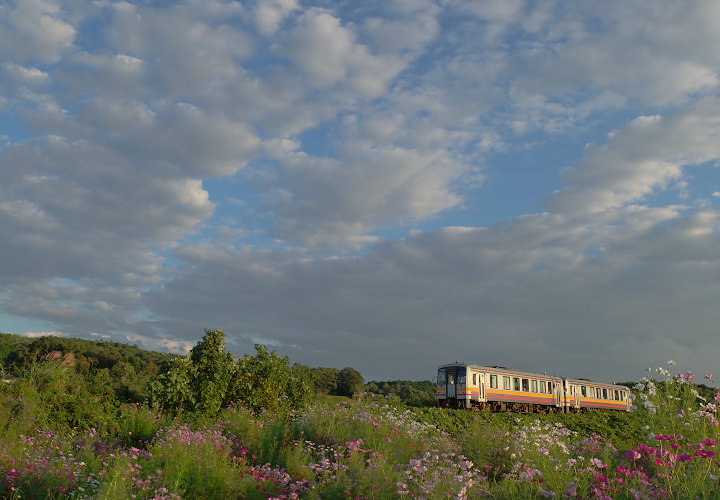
510,371
585,381
502,369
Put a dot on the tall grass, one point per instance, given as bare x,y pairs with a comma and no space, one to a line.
366,448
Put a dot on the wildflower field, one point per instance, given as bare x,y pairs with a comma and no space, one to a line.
366,448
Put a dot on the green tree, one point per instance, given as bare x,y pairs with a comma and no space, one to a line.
326,380
209,378
201,382
267,381
350,382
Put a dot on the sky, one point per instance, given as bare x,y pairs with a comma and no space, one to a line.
388,185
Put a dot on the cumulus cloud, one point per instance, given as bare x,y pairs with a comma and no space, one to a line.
612,289
34,30
330,201
258,166
646,155
270,14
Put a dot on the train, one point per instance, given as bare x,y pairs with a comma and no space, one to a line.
497,388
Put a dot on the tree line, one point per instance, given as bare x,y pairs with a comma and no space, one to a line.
96,376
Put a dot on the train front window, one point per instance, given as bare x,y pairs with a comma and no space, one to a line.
442,376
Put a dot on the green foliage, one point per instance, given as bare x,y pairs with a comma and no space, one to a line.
350,382
267,381
209,378
53,395
128,367
326,380
413,393
199,383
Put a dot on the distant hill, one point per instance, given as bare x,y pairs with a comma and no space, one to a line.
125,367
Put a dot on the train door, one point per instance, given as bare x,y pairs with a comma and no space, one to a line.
576,396
559,394
452,376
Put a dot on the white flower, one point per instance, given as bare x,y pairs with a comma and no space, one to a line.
671,363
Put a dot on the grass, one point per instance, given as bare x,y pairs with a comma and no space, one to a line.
369,448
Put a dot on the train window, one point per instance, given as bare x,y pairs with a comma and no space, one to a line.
591,392
583,390
506,383
442,376
605,395
550,387
493,382
543,389
534,385
516,383
526,385
617,395
474,378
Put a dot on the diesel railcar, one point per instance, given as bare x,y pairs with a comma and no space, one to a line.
496,388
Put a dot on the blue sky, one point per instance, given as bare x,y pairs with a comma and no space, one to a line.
384,185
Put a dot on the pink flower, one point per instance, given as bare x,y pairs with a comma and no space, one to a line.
709,376
704,453
633,455
708,442
684,457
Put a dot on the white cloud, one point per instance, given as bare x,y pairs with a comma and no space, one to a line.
271,13
34,335
646,155
21,75
139,130
595,295
34,30
329,201
328,54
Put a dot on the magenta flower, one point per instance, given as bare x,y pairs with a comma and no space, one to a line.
633,455
708,442
704,453
684,457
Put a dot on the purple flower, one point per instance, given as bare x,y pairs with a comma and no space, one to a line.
704,453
